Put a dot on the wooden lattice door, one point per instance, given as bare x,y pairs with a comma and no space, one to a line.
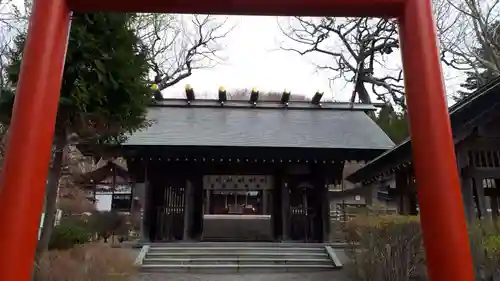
302,213
170,214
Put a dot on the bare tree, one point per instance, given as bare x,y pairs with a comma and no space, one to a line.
468,31
72,197
355,50
13,20
176,45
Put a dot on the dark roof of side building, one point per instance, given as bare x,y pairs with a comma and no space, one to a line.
268,124
464,115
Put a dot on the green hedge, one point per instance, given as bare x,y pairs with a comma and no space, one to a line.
68,234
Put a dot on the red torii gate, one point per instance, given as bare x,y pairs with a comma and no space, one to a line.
29,144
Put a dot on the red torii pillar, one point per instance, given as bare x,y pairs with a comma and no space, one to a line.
29,144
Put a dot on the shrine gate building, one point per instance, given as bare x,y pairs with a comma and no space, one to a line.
222,170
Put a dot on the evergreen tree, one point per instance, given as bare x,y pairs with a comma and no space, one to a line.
393,123
487,52
104,93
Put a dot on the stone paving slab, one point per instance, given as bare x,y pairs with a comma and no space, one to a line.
314,276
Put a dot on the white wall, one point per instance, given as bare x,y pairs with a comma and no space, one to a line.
103,201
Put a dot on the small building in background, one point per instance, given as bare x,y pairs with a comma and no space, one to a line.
475,123
110,187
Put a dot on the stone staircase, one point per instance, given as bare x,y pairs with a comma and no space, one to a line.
230,257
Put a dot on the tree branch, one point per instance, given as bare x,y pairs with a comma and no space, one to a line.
356,50
177,45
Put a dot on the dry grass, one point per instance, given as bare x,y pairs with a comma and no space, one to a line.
485,248
337,231
385,248
90,262
389,248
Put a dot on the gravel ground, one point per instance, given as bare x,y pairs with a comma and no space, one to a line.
314,276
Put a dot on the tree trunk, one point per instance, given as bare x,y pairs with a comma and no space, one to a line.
363,94
50,204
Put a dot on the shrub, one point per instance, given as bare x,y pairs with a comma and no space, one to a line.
485,248
107,224
385,247
135,221
68,234
337,231
73,200
89,262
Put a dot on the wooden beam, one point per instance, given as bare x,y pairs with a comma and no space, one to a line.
479,172
339,8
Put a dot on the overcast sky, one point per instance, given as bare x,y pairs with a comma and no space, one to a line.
253,59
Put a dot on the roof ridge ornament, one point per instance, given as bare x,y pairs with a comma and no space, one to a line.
222,95
190,97
285,97
156,91
316,100
254,96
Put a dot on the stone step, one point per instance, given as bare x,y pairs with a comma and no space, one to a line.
184,244
213,257
157,249
208,254
237,260
235,268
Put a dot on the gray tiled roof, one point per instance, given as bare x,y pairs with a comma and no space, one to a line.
261,128
463,115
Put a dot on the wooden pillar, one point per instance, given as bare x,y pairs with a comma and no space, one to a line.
198,210
370,194
495,199
403,191
140,191
133,206
188,209
271,202
494,206
285,210
207,202
413,203
399,190
265,202
466,184
113,188
408,193
275,208
480,197
321,224
468,198
325,212
146,212
94,188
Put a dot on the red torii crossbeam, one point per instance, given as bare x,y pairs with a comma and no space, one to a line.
29,144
